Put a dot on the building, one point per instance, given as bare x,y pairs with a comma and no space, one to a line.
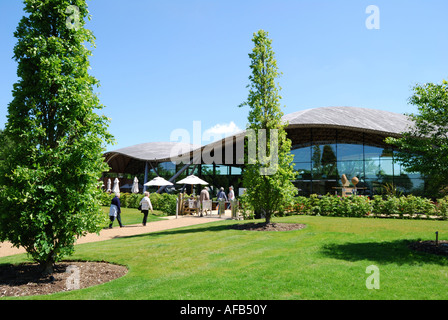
327,142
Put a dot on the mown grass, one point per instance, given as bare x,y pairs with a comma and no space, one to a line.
326,260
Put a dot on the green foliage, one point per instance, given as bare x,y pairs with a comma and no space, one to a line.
268,181
246,209
49,189
380,206
163,202
167,203
424,147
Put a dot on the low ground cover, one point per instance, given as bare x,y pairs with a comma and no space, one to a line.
325,260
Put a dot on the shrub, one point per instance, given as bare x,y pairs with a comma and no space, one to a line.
155,200
246,209
442,208
167,203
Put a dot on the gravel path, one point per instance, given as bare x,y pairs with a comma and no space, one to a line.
129,230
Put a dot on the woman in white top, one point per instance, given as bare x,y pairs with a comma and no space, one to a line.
231,196
146,205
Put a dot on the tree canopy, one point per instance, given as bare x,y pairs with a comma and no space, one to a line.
424,147
49,179
268,173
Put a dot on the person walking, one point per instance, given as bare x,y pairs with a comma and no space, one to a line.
231,196
146,205
202,197
222,198
221,195
115,210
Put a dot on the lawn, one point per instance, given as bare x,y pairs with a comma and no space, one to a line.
326,260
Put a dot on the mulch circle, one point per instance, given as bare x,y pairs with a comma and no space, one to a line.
26,280
441,248
262,226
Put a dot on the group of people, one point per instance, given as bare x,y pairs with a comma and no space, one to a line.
145,204
221,196
115,209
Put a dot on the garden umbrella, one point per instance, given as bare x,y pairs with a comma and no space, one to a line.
192,180
116,187
158,182
109,185
134,188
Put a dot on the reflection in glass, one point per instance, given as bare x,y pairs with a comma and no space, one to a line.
320,167
302,154
350,152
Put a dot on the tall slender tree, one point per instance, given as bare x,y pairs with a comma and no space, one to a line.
268,174
49,179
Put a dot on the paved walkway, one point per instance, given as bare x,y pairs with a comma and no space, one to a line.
171,222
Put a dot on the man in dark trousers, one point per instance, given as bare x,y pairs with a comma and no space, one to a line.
115,210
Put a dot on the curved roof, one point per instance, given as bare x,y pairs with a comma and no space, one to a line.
380,122
152,150
361,119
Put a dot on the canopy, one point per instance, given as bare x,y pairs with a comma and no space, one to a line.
192,180
158,182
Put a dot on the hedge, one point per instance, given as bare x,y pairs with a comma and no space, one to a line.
362,206
163,202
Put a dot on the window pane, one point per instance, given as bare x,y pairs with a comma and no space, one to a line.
386,167
324,161
372,167
222,170
351,169
207,169
372,152
235,171
303,169
350,152
302,154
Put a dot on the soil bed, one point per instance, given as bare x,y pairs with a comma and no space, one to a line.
431,247
26,280
262,226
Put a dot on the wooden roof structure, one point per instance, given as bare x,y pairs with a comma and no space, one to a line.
322,125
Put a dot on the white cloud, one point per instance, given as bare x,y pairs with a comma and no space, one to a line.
220,131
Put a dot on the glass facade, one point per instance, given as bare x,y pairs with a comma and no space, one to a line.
320,167
321,156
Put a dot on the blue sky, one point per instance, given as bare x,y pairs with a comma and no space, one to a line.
165,64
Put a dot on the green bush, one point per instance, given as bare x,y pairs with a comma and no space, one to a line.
167,203
442,208
380,206
155,200
162,202
106,198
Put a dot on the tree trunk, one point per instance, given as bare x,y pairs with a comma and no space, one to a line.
268,218
46,267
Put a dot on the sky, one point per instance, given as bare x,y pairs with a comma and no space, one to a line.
166,65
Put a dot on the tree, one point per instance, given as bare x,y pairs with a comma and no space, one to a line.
267,178
4,145
49,180
424,147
